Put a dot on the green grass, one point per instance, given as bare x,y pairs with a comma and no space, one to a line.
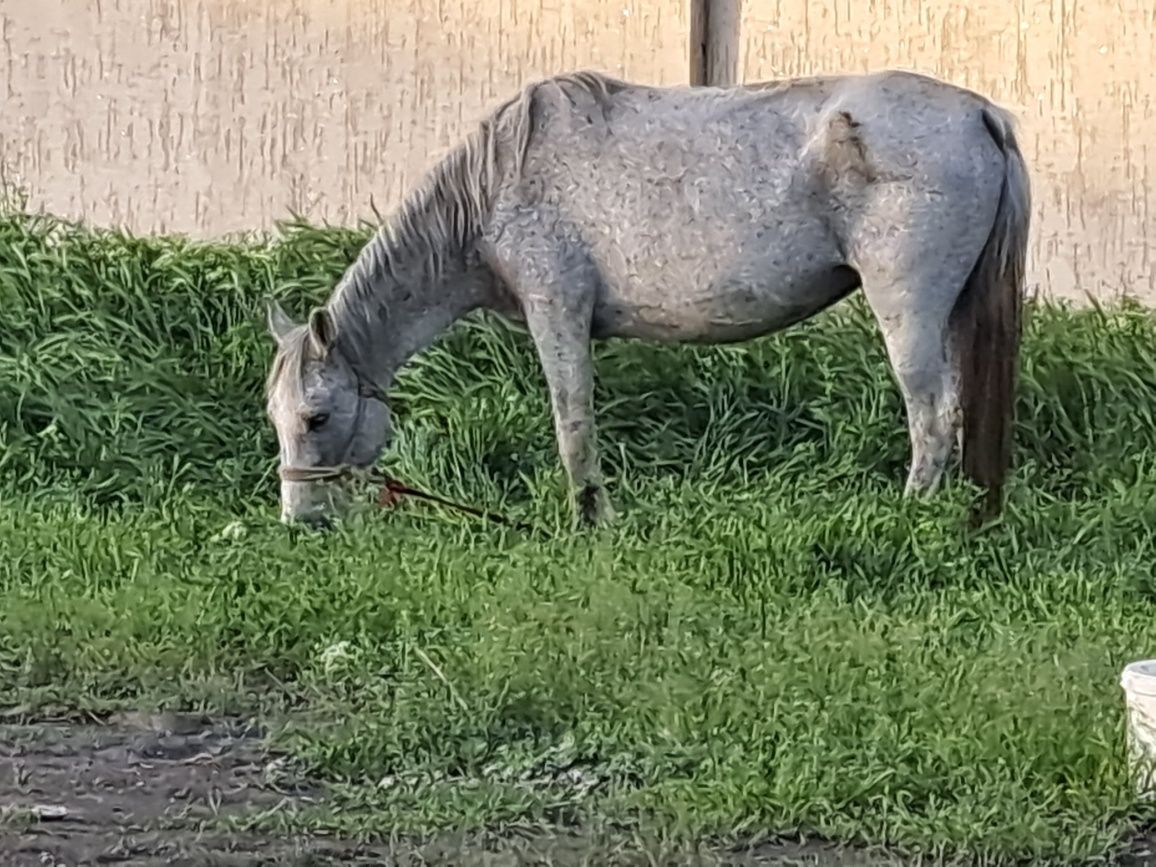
769,639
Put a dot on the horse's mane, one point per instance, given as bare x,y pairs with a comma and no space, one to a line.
440,218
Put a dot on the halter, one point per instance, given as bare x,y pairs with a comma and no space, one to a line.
365,389
392,489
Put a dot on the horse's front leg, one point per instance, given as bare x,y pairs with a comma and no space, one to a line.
561,332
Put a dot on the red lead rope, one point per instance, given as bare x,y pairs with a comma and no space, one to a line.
393,490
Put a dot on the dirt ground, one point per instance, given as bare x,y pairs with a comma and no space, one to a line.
151,789
141,790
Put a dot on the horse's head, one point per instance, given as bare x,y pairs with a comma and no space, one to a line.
330,419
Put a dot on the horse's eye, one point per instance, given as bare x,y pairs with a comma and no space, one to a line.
317,420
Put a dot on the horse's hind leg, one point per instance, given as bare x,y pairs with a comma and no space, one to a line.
922,361
913,281
914,316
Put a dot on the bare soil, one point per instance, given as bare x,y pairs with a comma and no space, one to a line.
144,789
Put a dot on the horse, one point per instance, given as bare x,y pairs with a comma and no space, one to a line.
588,207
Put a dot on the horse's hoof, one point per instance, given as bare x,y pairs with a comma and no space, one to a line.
592,509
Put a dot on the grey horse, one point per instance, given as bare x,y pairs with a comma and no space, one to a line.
587,207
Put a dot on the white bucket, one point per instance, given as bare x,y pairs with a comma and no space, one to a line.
1139,683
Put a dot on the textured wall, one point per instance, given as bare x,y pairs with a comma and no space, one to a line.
213,116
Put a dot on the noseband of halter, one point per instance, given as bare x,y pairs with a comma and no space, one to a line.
366,390
332,474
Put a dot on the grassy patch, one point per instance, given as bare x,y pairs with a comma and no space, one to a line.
769,639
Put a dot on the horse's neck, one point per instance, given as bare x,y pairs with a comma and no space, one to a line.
407,316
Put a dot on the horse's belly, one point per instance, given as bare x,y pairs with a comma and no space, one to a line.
730,309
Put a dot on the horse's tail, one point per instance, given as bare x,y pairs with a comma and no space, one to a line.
986,325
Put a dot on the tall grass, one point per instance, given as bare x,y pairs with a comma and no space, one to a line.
770,638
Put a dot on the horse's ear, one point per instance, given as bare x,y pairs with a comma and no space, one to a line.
277,320
321,330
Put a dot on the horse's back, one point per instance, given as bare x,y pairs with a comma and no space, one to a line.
739,161
715,213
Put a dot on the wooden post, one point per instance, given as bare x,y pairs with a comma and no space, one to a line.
699,10
715,27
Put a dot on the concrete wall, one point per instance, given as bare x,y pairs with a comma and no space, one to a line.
214,116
